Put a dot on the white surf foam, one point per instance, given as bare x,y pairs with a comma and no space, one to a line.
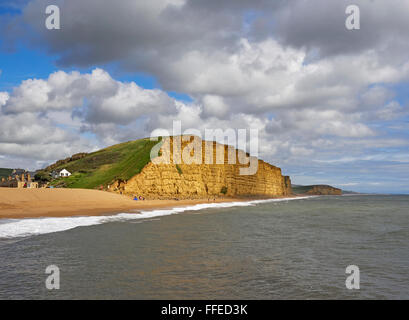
13,228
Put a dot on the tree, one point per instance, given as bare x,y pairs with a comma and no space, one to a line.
42,176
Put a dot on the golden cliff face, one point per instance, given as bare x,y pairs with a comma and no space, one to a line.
203,174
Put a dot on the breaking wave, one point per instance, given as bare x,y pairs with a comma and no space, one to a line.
12,228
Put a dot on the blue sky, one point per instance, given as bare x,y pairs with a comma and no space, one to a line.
22,64
331,106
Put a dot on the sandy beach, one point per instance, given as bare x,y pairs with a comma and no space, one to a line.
31,203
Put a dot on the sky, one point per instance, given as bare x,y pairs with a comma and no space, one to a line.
330,104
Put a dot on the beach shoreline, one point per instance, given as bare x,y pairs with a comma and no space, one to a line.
37,203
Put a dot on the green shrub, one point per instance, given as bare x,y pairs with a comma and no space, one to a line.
42,176
223,190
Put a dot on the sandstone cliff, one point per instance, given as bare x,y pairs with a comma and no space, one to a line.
209,172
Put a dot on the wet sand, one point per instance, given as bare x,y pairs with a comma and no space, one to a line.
31,203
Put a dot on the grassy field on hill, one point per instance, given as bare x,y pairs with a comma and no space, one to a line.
4,173
118,162
297,189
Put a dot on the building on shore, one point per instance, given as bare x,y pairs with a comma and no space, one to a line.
19,178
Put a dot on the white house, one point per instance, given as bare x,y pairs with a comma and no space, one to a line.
64,173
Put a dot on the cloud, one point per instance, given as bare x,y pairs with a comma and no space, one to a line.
319,25
59,92
129,103
34,137
214,106
27,128
348,184
48,119
316,91
94,96
313,124
391,111
4,96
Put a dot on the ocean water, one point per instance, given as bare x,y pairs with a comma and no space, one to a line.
296,249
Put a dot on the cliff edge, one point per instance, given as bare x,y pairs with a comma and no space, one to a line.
198,178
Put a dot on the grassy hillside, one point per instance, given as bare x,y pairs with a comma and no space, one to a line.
297,189
118,162
4,173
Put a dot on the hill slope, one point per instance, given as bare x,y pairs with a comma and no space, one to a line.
118,162
316,190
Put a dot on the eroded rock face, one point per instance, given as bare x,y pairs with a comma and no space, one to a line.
202,174
324,190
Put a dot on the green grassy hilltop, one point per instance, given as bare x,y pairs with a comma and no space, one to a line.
90,171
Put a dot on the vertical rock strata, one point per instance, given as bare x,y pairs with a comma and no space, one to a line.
184,170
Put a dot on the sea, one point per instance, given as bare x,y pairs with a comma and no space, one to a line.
267,249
